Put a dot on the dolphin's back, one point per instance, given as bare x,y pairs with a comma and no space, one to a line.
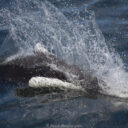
23,68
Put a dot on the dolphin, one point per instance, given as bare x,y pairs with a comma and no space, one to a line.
42,67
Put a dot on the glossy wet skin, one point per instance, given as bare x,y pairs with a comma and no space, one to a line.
21,69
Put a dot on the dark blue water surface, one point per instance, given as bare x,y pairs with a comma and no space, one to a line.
103,112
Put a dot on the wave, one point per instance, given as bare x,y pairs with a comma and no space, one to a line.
74,38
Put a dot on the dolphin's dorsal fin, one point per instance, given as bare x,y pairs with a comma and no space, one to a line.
40,49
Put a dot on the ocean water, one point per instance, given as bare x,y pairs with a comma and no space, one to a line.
91,34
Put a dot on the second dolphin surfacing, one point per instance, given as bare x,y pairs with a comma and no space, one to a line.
45,66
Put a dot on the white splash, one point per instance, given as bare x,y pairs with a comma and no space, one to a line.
40,49
76,39
117,82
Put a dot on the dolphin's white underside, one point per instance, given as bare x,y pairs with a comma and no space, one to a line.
41,82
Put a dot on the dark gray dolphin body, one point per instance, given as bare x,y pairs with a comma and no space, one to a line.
21,69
